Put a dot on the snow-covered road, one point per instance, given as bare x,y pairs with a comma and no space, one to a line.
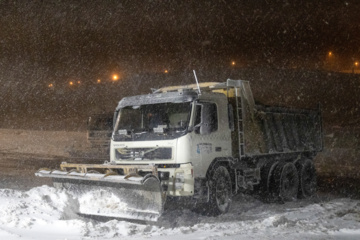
44,212
47,213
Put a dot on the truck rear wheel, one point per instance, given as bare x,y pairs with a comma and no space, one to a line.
307,178
286,181
220,191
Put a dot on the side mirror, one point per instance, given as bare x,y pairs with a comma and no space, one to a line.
208,115
195,128
205,128
206,118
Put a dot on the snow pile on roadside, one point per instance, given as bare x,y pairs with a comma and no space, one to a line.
36,212
47,213
46,143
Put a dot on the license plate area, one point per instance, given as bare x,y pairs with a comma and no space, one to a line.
131,170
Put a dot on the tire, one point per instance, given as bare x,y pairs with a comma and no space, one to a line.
264,174
220,191
307,178
267,192
286,181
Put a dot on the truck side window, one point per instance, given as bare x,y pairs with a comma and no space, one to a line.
206,114
210,116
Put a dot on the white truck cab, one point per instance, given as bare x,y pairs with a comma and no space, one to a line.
181,132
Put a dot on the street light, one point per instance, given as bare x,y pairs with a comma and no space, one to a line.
71,83
356,64
98,81
115,77
233,63
330,61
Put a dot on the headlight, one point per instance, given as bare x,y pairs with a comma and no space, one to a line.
179,180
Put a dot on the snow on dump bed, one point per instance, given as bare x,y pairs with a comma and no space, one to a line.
47,213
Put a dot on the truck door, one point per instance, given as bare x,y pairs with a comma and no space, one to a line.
209,141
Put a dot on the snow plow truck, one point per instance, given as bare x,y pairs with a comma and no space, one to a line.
204,142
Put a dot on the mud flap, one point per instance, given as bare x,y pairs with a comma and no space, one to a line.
139,199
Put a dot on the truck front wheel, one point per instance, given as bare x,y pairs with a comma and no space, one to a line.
220,191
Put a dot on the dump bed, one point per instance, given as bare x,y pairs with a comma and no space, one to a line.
260,130
281,130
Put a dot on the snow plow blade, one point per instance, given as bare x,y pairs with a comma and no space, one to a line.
120,196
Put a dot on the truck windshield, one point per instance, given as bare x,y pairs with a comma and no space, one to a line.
163,118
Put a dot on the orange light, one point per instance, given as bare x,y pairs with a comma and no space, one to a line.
115,77
98,81
166,71
71,83
233,63
78,82
51,85
356,64
330,54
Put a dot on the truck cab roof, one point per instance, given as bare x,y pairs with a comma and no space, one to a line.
155,98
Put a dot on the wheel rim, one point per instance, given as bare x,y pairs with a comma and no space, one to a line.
222,190
289,182
222,193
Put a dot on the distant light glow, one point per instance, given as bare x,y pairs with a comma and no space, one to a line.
71,83
233,63
356,64
166,71
115,77
51,85
330,54
78,82
98,81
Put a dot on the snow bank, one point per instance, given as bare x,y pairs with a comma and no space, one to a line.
35,214
47,213
54,143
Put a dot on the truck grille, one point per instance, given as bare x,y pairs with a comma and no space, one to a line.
143,153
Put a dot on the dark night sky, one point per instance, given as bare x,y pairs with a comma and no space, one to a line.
85,38
55,41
